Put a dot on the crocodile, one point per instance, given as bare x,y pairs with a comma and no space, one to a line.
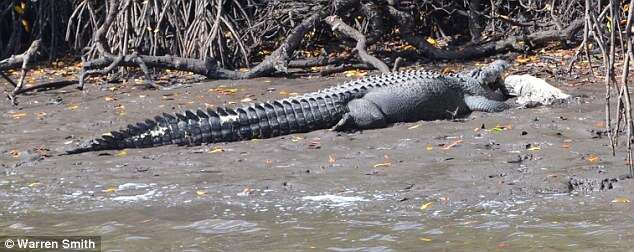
366,103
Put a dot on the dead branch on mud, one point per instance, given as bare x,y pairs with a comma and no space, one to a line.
278,60
21,61
338,25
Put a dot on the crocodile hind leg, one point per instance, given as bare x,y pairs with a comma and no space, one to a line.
479,103
362,114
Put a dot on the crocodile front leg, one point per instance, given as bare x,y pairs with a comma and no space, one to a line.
479,103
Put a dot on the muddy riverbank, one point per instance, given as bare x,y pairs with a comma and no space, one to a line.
488,181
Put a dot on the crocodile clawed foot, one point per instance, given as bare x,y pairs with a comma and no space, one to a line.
343,124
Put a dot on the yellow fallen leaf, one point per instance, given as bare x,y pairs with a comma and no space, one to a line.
246,191
200,193
121,153
216,150
120,109
425,239
408,47
431,41
73,106
26,26
34,184
296,138
110,190
18,9
17,115
426,205
523,59
621,200
430,147
593,158
386,164
224,90
452,144
499,127
108,98
355,73
14,153
414,127
534,148
263,53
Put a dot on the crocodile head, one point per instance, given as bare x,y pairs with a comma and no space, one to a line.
492,76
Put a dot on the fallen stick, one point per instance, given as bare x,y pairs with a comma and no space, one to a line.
22,61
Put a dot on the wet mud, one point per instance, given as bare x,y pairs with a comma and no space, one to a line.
533,178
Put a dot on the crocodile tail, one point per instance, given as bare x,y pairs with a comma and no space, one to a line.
261,120
181,128
134,136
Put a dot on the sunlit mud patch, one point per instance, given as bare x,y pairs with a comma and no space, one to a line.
220,226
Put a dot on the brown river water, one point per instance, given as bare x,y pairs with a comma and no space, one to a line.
438,186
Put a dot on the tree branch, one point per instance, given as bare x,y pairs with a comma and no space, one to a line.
338,25
408,33
22,61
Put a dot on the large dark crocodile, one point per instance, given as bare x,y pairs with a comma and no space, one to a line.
370,102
